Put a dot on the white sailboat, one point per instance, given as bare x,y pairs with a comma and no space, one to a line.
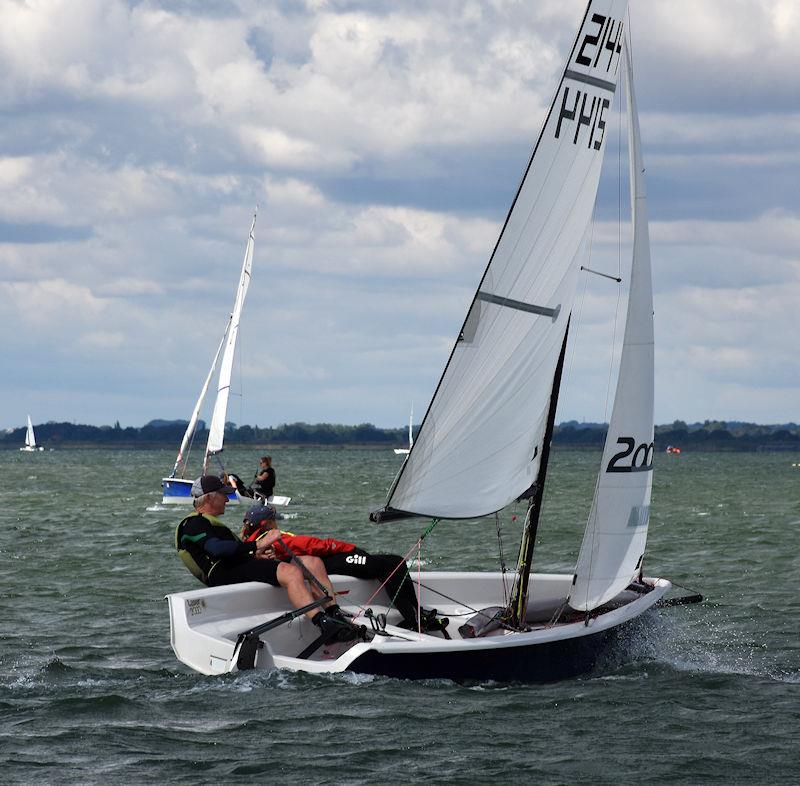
406,451
485,442
30,440
177,487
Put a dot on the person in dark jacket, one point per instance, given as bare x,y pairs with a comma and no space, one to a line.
339,556
264,480
216,556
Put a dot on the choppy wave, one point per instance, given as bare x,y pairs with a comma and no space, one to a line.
91,693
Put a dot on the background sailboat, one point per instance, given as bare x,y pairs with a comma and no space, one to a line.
30,439
485,440
177,487
406,451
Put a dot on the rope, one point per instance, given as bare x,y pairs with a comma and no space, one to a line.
417,546
502,557
470,609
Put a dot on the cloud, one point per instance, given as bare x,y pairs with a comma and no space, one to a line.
383,143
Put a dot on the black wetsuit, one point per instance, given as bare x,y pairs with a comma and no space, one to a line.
219,557
388,568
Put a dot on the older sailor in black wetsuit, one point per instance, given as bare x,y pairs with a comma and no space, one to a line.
216,556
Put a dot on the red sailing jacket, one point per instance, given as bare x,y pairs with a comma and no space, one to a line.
304,545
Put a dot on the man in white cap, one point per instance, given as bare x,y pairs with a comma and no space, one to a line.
216,556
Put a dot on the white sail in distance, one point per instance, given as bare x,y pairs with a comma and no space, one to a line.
480,443
217,428
616,533
30,438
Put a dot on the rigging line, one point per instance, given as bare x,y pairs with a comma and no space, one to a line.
188,452
419,581
575,340
619,262
469,609
502,558
416,545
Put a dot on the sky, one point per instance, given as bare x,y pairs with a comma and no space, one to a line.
383,143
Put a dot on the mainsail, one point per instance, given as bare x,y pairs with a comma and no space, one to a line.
480,443
616,533
217,427
30,438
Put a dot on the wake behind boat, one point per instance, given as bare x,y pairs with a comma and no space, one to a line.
177,487
485,442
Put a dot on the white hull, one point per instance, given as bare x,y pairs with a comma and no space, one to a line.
28,449
206,623
401,451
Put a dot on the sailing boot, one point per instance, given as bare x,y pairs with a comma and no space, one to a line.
335,611
335,629
339,614
429,622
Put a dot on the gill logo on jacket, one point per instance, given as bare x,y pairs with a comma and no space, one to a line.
356,559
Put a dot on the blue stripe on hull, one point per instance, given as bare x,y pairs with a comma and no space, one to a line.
547,662
180,488
177,488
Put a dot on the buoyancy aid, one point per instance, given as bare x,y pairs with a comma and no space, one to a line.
189,536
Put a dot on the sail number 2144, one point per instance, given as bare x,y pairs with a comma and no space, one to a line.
634,458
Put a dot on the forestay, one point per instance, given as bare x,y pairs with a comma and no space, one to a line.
616,533
217,428
480,442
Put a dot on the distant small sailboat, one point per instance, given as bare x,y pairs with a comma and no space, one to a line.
406,451
30,440
176,489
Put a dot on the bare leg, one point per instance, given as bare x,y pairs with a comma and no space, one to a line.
291,577
316,568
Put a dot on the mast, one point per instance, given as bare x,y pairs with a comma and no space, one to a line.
518,604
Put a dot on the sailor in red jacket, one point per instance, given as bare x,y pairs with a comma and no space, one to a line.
344,558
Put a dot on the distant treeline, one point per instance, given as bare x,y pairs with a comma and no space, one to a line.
712,435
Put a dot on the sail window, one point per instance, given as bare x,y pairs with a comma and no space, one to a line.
639,516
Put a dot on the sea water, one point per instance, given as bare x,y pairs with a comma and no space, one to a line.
91,692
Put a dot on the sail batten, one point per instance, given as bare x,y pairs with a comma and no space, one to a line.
480,443
616,532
